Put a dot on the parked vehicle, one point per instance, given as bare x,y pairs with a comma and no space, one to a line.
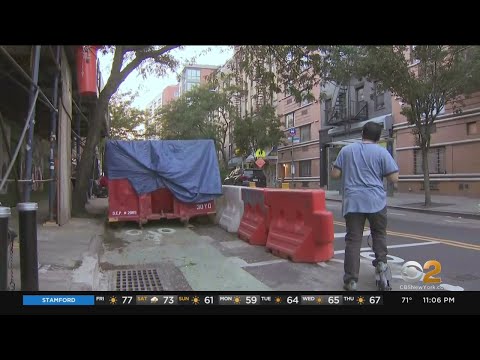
242,177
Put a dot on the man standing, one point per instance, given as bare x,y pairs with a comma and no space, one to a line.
362,167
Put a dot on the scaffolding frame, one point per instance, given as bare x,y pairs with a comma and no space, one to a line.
37,95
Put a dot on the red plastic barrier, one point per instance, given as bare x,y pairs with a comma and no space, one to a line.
300,226
255,220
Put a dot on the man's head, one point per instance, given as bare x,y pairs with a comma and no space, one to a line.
372,131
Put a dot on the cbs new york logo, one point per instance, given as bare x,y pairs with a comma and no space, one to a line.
413,274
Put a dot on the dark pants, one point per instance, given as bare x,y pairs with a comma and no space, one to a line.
353,240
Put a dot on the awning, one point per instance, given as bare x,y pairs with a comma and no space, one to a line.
235,161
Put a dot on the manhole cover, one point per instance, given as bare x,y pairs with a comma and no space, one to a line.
135,280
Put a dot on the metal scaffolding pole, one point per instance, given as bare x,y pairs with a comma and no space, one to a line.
53,136
77,127
29,159
26,76
20,141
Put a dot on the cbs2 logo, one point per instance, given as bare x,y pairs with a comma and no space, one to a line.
415,276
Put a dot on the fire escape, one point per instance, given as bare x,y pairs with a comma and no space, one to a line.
346,111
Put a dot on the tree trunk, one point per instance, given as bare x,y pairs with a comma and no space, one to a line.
84,169
426,175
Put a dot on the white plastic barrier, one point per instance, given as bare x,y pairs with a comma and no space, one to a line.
232,211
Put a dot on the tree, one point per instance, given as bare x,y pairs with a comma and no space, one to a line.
443,75
258,130
202,113
124,118
150,59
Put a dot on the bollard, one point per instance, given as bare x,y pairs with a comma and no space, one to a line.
27,216
4,215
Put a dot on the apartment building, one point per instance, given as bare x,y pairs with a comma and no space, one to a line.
170,93
345,110
194,75
298,158
454,163
247,103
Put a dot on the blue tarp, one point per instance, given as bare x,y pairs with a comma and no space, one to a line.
188,168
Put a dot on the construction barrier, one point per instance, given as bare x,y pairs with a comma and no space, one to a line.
232,211
300,227
254,224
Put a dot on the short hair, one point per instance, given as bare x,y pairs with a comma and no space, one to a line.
372,131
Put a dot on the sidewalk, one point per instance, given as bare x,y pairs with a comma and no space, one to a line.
67,255
458,206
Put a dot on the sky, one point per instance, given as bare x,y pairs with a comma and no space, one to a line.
152,86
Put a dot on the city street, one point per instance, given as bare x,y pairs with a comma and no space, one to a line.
413,236
206,257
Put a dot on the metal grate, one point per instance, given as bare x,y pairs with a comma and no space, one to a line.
134,280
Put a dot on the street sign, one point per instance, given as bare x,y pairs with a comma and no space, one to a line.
259,154
260,162
293,131
294,139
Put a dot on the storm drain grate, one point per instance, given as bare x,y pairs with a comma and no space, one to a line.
135,280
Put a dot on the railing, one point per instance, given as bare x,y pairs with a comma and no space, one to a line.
358,112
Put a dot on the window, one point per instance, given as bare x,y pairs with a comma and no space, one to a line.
305,101
379,97
305,168
190,86
289,121
328,109
472,128
305,133
193,74
436,161
359,94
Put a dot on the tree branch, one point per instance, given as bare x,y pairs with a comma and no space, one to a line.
141,56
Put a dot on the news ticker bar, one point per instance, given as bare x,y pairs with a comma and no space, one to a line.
173,300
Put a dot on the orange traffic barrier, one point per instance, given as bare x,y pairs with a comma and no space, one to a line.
300,227
254,223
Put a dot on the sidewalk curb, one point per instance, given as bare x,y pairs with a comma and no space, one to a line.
428,211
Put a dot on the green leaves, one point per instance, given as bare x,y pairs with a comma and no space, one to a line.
260,130
125,119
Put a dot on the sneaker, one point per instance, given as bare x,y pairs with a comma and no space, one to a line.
350,286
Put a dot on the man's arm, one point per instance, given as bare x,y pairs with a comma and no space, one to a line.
336,169
390,168
335,172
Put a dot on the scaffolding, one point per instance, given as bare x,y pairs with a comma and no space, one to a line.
15,73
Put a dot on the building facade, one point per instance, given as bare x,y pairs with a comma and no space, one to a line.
194,75
170,93
454,164
298,157
345,110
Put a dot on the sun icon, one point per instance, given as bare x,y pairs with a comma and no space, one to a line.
236,300
278,299
361,300
319,300
113,300
196,300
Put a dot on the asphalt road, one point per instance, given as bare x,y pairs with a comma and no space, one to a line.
413,236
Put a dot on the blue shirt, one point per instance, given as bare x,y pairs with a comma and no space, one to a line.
363,168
